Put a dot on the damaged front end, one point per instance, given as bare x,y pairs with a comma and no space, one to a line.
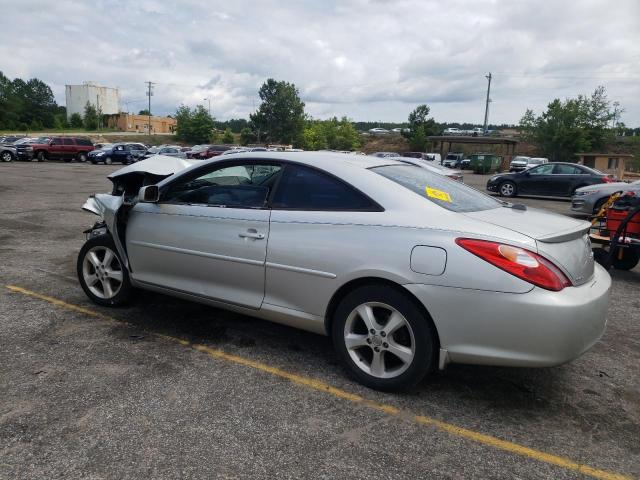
114,208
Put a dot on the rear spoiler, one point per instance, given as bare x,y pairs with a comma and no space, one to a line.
566,235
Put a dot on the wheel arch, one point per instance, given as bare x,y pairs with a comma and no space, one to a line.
351,285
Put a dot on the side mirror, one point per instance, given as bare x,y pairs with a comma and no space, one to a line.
52,142
149,194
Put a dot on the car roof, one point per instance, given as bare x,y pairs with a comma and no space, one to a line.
324,160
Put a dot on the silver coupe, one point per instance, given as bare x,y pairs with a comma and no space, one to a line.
405,269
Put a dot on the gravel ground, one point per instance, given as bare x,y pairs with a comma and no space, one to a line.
94,397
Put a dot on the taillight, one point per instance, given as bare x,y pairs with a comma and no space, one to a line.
607,179
524,264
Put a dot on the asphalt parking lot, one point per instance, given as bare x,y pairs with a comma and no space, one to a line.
169,389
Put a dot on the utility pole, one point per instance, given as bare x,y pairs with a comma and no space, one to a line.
98,110
149,94
209,100
486,107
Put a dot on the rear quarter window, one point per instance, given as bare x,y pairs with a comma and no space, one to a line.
442,191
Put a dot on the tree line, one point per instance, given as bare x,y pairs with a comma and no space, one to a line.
574,125
566,127
28,105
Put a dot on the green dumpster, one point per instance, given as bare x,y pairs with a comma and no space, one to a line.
485,162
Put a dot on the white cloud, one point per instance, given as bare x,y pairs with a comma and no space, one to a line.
369,60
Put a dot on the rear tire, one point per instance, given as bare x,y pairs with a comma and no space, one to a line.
508,189
400,351
628,261
82,157
102,274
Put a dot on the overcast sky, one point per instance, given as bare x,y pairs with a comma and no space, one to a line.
370,60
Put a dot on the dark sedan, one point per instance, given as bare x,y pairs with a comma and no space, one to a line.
551,179
118,152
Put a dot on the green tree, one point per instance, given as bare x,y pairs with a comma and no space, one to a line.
333,133
76,121
570,126
227,137
194,125
347,137
247,136
314,136
143,112
90,118
60,121
280,117
420,127
22,103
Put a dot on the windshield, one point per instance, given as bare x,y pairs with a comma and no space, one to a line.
442,191
452,156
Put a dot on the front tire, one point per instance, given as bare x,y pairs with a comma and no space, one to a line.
599,205
108,161
102,274
41,156
7,156
383,339
508,189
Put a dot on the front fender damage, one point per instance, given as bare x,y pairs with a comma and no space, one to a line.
109,207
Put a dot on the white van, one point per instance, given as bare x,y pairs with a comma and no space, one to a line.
520,163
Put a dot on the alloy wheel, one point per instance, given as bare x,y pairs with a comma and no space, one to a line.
379,340
102,272
507,189
6,157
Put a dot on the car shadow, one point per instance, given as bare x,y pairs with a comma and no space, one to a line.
463,384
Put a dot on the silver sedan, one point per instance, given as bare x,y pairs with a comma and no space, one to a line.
405,269
588,200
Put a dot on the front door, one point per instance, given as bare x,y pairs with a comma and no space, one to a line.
208,234
56,148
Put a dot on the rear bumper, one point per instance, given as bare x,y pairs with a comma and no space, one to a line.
539,328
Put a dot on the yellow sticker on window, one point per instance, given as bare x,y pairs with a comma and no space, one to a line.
438,194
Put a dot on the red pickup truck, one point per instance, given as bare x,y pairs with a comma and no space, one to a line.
63,148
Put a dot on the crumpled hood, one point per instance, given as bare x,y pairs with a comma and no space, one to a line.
155,165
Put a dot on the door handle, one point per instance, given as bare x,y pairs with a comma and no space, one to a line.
252,233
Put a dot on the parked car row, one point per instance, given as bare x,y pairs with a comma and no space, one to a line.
474,132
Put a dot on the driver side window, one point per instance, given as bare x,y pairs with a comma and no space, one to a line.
235,186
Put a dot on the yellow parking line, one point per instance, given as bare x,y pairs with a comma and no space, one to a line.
318,385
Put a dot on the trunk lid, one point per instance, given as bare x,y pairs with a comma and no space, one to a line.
561,239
